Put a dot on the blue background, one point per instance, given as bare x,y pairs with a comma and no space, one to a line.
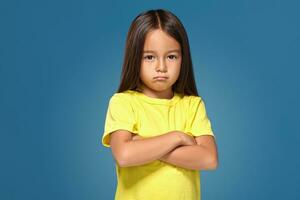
61,62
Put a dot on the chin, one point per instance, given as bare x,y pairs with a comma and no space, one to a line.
161,89
158,87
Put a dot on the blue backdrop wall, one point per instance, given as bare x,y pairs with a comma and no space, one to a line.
61,62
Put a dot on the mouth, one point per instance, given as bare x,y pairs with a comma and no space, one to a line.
160,77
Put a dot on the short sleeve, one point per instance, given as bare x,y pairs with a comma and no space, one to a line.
198,121
119,115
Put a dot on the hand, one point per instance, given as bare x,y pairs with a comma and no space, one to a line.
136,137
185,138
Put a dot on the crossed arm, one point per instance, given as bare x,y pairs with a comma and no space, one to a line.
201,156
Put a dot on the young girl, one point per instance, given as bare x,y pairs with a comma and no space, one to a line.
156,124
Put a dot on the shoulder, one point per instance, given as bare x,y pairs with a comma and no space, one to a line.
120,99
192,100
190,103
195,104
121,96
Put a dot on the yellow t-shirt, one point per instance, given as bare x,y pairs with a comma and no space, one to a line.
148,117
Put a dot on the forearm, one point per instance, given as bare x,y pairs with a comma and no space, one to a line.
139,152
195,157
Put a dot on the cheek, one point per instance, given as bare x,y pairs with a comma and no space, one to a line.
144,72
176,69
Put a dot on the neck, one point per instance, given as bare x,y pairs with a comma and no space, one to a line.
165,94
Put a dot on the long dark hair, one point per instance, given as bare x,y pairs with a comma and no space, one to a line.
141,25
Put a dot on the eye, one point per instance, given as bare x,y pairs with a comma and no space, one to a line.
148,56
173,57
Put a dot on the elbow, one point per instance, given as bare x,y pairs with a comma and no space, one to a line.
213,162
120,162
213,165
121,155
122,159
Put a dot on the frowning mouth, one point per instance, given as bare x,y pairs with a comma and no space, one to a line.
160,78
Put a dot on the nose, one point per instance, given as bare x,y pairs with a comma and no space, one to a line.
161,66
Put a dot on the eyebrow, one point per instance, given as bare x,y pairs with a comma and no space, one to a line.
151,51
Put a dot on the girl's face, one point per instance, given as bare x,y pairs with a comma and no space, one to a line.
161,57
